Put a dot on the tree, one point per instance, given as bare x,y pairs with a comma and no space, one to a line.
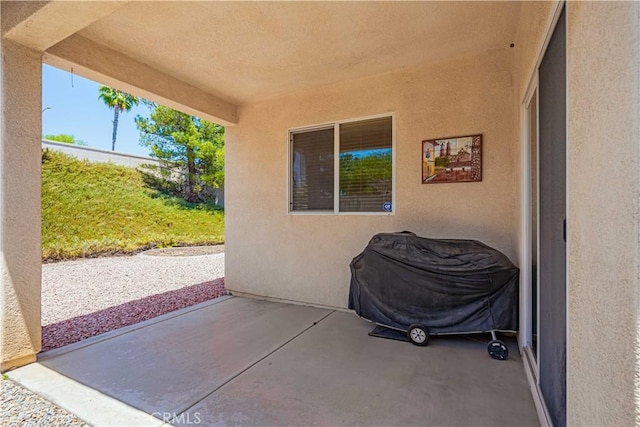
66,138
365,174
188,144
119,101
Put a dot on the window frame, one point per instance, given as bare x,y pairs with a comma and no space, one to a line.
336,168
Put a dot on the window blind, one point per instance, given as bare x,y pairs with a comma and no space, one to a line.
366,165
312,170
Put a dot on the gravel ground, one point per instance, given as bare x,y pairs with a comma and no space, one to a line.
84,298
88,297
20,407
82,327
77,288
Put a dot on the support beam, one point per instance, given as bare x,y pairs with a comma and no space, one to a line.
20,212
40,25
103,64
15,12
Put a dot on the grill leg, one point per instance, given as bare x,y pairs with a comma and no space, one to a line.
497,349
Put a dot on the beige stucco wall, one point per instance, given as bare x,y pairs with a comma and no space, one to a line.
306,257
20,160
533,24
603,68
603,72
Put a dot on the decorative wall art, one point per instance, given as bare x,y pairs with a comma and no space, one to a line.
457,159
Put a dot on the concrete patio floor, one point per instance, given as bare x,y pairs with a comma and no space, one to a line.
237,361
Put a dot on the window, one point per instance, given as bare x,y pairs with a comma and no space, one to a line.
343,167
312,173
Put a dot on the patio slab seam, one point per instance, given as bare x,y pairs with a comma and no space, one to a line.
229,380
48,355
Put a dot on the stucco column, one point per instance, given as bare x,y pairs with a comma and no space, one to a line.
20,188
603,212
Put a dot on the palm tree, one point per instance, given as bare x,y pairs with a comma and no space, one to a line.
119,101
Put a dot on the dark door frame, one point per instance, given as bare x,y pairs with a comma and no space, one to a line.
530,360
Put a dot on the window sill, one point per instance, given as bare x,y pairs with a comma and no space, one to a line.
296,213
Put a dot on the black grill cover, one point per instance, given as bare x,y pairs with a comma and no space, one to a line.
449,286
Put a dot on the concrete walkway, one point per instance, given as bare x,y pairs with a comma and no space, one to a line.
236,361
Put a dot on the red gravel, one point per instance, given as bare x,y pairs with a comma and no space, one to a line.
82,327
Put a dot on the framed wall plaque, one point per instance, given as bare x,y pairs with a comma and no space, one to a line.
457,159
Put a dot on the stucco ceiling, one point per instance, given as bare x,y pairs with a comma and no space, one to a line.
246,51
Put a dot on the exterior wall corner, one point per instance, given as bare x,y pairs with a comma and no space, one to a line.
603,178
20,218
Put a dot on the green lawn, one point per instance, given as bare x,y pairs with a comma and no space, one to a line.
92,209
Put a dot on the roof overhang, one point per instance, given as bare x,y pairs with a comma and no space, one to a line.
208,58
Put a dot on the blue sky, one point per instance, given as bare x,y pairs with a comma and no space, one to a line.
78,111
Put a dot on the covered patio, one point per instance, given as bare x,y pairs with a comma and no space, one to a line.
554,90
238,361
